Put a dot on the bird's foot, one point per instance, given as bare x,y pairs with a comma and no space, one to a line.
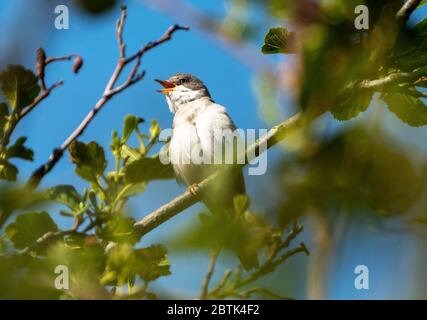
194,189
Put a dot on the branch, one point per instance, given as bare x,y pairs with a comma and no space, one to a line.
109,92
232,280
41,63
45,93
392,79
213,28
406,10
187,199
272,265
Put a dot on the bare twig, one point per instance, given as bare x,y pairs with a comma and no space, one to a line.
41,63
45,93
239,47
209,273
296,229
232,281
51,235
109,92
406,10
272,265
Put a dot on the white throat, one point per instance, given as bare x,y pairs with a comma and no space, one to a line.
181,95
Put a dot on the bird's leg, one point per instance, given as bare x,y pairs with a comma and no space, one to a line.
194,189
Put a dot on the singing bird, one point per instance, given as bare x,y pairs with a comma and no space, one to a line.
194,142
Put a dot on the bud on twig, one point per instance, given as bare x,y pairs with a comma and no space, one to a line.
78,63
40,62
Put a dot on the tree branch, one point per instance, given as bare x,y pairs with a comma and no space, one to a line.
213,28
406,10
187,199
276,134
392,79
232,280
109,92
45,93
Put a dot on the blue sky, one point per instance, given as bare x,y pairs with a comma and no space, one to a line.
230,83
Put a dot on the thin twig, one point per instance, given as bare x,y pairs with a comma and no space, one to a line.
212,27
296,229
109,92
272,265
51,235
209,273
41,63
46,238
40,98
226,288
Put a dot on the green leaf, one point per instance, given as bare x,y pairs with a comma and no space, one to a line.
4,112
133,189
89,159
18,150
130,153
28,227
121,265
66,195
147,169
124,263
409,109
154,129
116,142
422,3
154,262
350,106
130,125
241,203
8,171
19,86
119,229
279,40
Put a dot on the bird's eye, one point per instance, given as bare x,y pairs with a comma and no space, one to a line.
182,80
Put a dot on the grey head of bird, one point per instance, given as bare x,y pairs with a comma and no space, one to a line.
182,88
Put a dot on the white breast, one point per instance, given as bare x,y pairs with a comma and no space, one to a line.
193,138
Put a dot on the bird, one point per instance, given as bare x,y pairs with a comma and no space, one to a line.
195,145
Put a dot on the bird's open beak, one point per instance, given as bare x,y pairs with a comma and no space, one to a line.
168,86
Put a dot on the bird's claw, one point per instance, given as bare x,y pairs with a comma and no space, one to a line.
194,189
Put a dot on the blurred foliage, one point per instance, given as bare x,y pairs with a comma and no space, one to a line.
338,61
96,7
357,170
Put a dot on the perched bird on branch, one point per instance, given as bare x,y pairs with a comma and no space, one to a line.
204,140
